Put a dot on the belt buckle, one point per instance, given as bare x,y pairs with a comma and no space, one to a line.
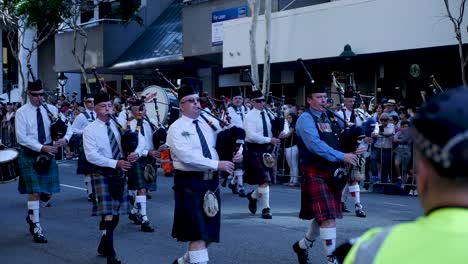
207,175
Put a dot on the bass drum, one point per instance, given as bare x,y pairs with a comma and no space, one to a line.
168,104
9,167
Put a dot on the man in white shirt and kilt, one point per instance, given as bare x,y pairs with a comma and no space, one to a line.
259,140
103,149
196,184
38,168
320,151
81,122
137,180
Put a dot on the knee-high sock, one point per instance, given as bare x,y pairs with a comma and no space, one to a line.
199,256
355,193
344,193
255,194
265,197
328,236
311,235
239,175
34,207
185,259
87,182
141,202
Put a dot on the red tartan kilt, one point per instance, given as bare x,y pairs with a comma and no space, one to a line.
318,199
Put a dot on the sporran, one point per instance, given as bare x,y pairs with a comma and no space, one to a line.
210,203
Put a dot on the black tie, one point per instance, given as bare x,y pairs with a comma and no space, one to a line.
92,116
265,128
113,142
143,128
240,113
204,145
40,127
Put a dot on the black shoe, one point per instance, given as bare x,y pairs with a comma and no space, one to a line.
135,218
242,193
233,188
31,225
175,261
146,227
148,197
91,198
38,237
102,246
302,255
113,260
344,209
252,203
359,211
332,259
266,213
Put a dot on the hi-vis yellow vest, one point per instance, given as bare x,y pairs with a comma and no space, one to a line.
440,237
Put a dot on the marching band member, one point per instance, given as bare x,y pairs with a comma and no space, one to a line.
352,115
257,125
192,143
320,152
37,179
102,146
237,111
136,180
81,122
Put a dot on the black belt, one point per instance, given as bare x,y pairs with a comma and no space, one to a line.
197,175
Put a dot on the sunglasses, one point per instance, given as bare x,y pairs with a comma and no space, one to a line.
259,100
384,120
36,94
89,101
192,100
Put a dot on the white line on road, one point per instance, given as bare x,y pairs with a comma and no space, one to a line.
402,205
73,187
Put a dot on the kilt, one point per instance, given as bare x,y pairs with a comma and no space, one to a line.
105,204
190,222
30,180
84,167
319,199
136,175
256,172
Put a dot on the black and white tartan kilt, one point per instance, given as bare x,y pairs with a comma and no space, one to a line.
105,204
84,167
136,175
319,199
190,222
30,180
256,172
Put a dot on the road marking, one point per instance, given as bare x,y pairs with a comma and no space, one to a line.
73,187
402,205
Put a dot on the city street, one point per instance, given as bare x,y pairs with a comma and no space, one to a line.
73,234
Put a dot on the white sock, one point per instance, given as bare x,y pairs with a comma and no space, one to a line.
355,192
141,201
311,235
328,236
265,199
34,206
239,173
344,193
233,180
87,182
199,256
254,194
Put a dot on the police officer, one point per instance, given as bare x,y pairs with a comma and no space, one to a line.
442,183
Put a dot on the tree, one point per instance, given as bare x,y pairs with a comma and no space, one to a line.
457,26
126,11
41,16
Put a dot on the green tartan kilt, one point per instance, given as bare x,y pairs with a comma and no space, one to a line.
32,181
136,177
106,204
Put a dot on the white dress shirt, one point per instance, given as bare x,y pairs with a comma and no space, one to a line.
253,126
358,120
81,122
185,146
148,134
26,126
236,118
97,146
